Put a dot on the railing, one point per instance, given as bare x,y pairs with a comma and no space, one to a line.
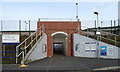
57,19
107,37
23,48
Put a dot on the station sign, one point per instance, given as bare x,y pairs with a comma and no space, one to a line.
10,38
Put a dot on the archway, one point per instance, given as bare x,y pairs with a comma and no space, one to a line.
59,44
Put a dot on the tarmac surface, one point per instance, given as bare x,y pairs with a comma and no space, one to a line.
66,64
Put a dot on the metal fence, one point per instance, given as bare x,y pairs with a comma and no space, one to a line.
26,25
101,23
112,26
18,25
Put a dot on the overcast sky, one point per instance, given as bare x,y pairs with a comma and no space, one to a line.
33,10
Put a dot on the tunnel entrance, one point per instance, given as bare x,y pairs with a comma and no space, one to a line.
58,48
60,44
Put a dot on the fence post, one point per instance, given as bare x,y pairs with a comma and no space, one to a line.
29,27
4,50
114,27
16,54
20,29
111,26
118,27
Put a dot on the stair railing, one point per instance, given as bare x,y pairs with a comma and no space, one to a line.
23,48
91,32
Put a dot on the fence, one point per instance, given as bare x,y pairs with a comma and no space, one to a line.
18,25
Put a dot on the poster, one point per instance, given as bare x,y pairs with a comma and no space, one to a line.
110,51
103,50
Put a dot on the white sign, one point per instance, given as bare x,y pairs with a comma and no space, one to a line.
11,38
98,33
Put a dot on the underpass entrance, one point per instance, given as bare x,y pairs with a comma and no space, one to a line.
58,48
60,44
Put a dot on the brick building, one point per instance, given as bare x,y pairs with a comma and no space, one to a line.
59,33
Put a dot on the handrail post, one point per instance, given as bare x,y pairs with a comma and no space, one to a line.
115,40
41,31
23,57
31,41
22,62
25,47
43,28
36,36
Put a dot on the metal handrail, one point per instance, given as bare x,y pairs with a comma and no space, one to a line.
18,54
110,40
87,32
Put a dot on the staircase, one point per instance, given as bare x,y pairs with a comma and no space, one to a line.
106,37
24,48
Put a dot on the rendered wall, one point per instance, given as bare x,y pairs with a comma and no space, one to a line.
40,51
86,48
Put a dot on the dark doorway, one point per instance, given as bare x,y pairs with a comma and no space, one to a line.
58,48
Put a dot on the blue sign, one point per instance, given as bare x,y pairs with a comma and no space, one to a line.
103,50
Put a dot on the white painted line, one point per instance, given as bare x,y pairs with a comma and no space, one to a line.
85,66
107,68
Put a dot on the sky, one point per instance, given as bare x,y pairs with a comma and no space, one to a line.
12,10
35,10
